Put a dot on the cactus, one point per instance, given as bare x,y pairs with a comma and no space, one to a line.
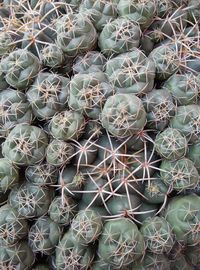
71,255
25,145
159,107
194,154
59,153
31,201
120,242
89,92
184,88
76,34
44,235
100,12
158,235
170,144
187,121
20,68
131,73
13,227
9,175
91,62
42,174
141,12
14,109
67,125
18,256
53,57
123,115
63,209
6,43
119,36
86,226
48,95
183,214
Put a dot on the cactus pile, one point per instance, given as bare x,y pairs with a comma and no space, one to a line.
99,135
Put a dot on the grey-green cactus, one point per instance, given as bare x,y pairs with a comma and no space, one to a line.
9,175
25,145
194,154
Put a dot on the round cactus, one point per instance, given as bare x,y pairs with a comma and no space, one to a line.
9,175
131,72
13,227
91,62
76,34
16,256
120,242
20,68
119,36
101,12
44,235
67,125
123,115
30,200
86,226
159,107
25,145
70,255
52,56
41,174
187,121
14,109
194,154
170,144
89,92
63,209
6,43
48,95
183,215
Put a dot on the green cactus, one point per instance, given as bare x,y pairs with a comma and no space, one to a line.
86,226
184,88
158,235
93,129
63,209
42,174
194,154
25,145
67,125
13,227
181,264
123,115
6,43
192,255
48,95
183,214
20,68
44,235
76,34
179,174
14,109
131,72
91,62
170,144
18,256
59,153
89,92
52,57
166,60
30,200
119,36
187,121
71,255
100,12
120,242
140,12
160,108
9,175
146,211
3,83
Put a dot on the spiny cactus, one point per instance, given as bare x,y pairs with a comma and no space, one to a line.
9,175
25,145
20,68
131,72
51,56
44,235
30,200
119,36
48,95
123,115
13,227
120,242
193,154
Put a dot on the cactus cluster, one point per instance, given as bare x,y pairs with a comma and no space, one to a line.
99,135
